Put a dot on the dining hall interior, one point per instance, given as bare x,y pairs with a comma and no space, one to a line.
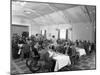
52,37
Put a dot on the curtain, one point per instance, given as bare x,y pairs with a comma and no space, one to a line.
66,34
59,34
45,35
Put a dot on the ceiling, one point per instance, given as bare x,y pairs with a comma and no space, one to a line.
51,13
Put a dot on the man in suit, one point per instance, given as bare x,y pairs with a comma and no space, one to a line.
72,53
26,49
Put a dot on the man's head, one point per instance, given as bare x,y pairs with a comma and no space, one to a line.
53,36
36,34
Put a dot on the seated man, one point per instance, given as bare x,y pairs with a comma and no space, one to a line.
46,57
50,62
32,62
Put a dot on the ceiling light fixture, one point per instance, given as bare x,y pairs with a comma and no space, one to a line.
27,12
23,3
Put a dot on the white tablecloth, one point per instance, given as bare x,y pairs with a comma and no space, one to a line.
61,60
54,44
81,51
19,45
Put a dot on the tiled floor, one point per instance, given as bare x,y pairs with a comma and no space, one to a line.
85,63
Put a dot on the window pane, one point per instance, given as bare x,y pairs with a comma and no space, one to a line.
63,34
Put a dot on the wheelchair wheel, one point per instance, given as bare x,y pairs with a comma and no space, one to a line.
32,65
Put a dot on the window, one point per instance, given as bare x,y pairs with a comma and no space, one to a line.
63,34
43,32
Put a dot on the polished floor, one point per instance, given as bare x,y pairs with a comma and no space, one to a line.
87,62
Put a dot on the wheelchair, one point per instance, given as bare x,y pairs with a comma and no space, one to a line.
32,64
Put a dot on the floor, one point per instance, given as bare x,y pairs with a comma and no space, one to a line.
84,63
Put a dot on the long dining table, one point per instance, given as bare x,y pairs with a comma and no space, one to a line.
81,51
61,60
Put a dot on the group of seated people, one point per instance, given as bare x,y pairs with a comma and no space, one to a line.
29,47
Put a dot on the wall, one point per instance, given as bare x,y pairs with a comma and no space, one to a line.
19,29
52,29
82,31
33,27
20,21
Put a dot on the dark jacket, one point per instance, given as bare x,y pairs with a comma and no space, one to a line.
26,48
71,51
35,54
15,50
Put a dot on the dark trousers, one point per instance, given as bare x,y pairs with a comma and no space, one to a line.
25,55
53,65
74,59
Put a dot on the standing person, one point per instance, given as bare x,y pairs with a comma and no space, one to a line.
26,49
77,43
21,42
72,53
35,51
54,41
66,48
37,37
